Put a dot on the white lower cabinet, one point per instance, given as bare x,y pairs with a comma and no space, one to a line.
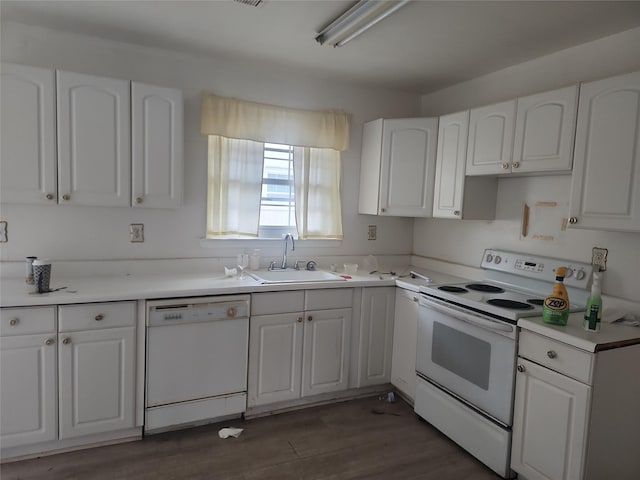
298,344
405,333
575,413
67,372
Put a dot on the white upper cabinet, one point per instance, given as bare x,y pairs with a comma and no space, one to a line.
398,166
94,145
605,190
545,129
157,146
456,195
490,144
28,166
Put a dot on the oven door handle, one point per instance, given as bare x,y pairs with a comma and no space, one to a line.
467,317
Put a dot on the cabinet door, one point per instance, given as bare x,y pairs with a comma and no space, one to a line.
275,358
28,158
326,351
550,424
490,146
376,335
605,190
157,146
94,146
408,167
28,393
453,132
545,130
405,333
96,381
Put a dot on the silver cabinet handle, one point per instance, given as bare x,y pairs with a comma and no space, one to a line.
515,164
521,368
99,317
456,213
14,321
505,166
49,341
383,210
49,196
138,199
299,319
66,196
309,318
231,312
573,220
551,354
66,340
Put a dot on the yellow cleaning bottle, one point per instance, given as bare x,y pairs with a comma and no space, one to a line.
555,309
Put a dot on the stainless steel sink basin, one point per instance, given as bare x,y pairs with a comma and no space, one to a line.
294,276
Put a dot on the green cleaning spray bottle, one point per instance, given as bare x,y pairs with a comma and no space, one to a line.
593,312
555,309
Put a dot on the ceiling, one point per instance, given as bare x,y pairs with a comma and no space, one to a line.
424,46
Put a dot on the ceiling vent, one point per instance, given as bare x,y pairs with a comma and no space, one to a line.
251,3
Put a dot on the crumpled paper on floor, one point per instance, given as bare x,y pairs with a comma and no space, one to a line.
229,432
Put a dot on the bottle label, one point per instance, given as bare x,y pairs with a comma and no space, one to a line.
556,303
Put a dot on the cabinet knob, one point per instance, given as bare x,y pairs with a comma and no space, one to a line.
383,210
551,354
14,321
309,318
99,317
66,340
66,196
521,368
49,196
456,213
415,299
299,319
231,312
515,165
49,341
573,220
138,199
505,166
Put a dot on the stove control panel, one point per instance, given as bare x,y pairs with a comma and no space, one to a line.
578,274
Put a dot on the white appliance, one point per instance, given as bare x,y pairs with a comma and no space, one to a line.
467,348
196,368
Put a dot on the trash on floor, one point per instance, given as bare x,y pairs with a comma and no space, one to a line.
229,432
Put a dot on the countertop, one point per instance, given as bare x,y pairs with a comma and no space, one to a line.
611,335
15,292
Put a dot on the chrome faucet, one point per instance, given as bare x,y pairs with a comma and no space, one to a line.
284,249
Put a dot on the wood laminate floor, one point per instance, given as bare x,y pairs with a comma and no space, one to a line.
340,441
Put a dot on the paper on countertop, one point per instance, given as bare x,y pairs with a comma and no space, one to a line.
616,315
229,432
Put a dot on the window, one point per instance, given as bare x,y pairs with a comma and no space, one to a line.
277,201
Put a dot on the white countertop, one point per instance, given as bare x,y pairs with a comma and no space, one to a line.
611,335
15,292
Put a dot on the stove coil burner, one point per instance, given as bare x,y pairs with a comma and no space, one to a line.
452,289
536,301
483,287
512,304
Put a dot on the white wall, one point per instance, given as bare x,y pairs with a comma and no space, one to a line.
464,241
77,233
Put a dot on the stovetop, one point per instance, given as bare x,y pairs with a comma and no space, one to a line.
515,286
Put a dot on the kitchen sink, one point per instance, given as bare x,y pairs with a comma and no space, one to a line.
294,276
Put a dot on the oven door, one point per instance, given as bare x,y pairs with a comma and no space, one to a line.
469,355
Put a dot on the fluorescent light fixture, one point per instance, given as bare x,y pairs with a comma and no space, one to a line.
358,19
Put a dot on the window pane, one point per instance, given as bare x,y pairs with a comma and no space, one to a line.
277,206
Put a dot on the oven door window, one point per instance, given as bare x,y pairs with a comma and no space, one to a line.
464,355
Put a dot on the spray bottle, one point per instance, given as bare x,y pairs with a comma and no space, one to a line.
555,309
593,312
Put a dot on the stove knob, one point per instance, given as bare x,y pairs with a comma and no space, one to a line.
489,257
498,259
580,274
568,272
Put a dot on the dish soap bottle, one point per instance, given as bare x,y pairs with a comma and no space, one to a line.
555,309
593,312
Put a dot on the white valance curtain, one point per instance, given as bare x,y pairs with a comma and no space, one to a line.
237,132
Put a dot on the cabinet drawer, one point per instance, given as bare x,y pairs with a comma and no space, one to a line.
557,356
277,302
28,320
329,298
93,316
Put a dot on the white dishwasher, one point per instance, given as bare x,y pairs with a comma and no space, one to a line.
196,369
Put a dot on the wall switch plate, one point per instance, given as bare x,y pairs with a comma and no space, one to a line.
3,232
136,232
372,233
599,258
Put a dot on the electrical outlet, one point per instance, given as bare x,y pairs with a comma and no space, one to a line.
3,232
136,232
371,234
599,258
